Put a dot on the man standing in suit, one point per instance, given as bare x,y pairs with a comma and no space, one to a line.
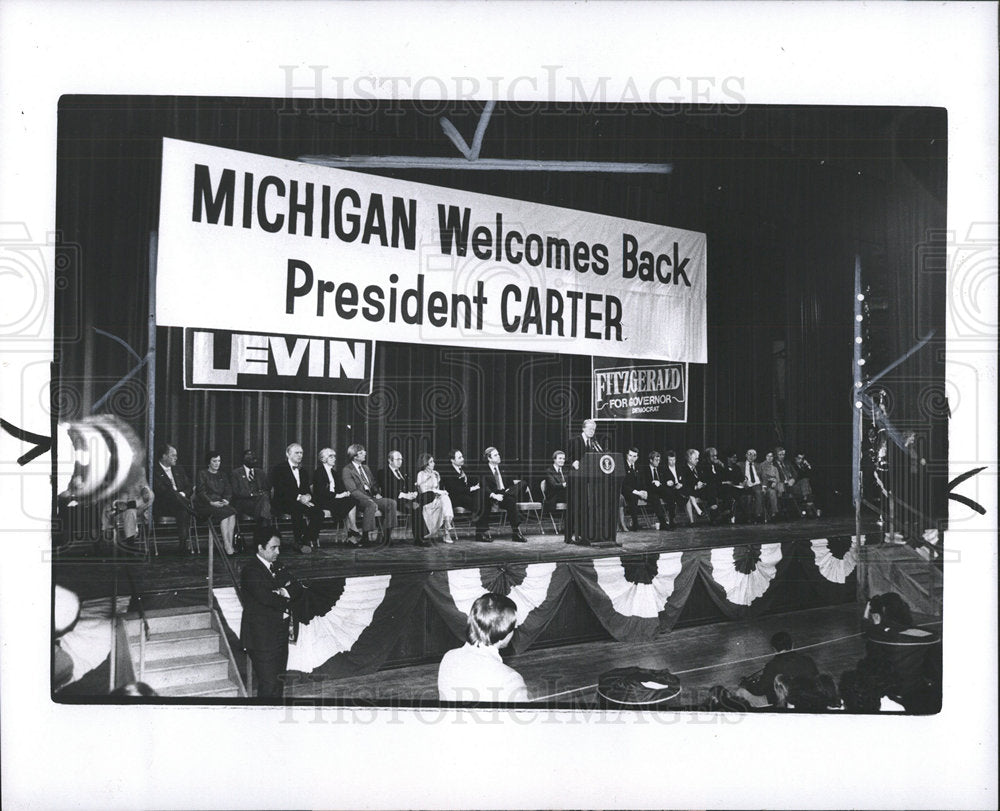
172,495
584,443
359,481
754,488
505,491
252,490
651,481
266,591
329,493
292,495
461,489
631,489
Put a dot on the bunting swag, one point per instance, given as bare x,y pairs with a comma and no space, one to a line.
535,588
636,596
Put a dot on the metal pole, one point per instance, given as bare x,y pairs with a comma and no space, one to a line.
856,400
151,370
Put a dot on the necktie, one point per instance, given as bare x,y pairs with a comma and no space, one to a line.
364,478
397,474
499,479
589,446
752,476
250,474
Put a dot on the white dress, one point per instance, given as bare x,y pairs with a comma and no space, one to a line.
438,511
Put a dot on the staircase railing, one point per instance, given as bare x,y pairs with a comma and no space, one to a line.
215,542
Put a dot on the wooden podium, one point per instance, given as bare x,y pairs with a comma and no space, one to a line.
592,501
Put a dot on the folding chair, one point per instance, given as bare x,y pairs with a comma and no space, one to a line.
560,507
531,507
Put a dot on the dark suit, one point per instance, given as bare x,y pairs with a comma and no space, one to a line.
671,493
325,498
458,485
366,492
556,490
169,502
264,626
656,493
252,497
307,519
511,493
578,447
713,474
754,493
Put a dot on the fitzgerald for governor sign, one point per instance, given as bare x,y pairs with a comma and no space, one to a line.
256,244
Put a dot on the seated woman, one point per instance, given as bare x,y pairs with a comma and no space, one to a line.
120,518
436,513
773,486
212,494
693,486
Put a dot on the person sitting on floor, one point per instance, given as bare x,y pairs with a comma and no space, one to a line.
475,672
788,662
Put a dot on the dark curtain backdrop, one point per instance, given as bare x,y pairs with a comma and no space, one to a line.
786,195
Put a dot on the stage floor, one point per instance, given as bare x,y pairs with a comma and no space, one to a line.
91,574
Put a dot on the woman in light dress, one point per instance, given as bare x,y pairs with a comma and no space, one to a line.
437,514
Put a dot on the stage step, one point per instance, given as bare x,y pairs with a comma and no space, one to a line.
177,670
170,644
162,620
219,688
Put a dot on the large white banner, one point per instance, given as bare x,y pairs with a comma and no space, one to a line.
248,242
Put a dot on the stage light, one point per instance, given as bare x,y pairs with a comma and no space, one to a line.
857,340
861,361
857,403
861,296
859,318
857,385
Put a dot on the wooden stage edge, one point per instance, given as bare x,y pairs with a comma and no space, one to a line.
91,574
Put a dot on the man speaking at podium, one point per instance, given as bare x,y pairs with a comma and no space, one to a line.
584,443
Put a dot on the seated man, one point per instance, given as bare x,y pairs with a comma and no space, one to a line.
172,495
330,495
364,489
394,483
475,672
555,483
651,481
462,491
632,489
788,663
753,487
502,489
252,490
292,495
713,473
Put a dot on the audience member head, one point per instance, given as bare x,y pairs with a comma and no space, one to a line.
491,621
210,458
711,454
769,457
167,454
327,456
692,456
859,693
779,453
805,695
671,457
424,460
294,453
263,533
654,457
732,457
456,457
751,455
828,688
890,610
355,451
781,641
134,689
559,458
